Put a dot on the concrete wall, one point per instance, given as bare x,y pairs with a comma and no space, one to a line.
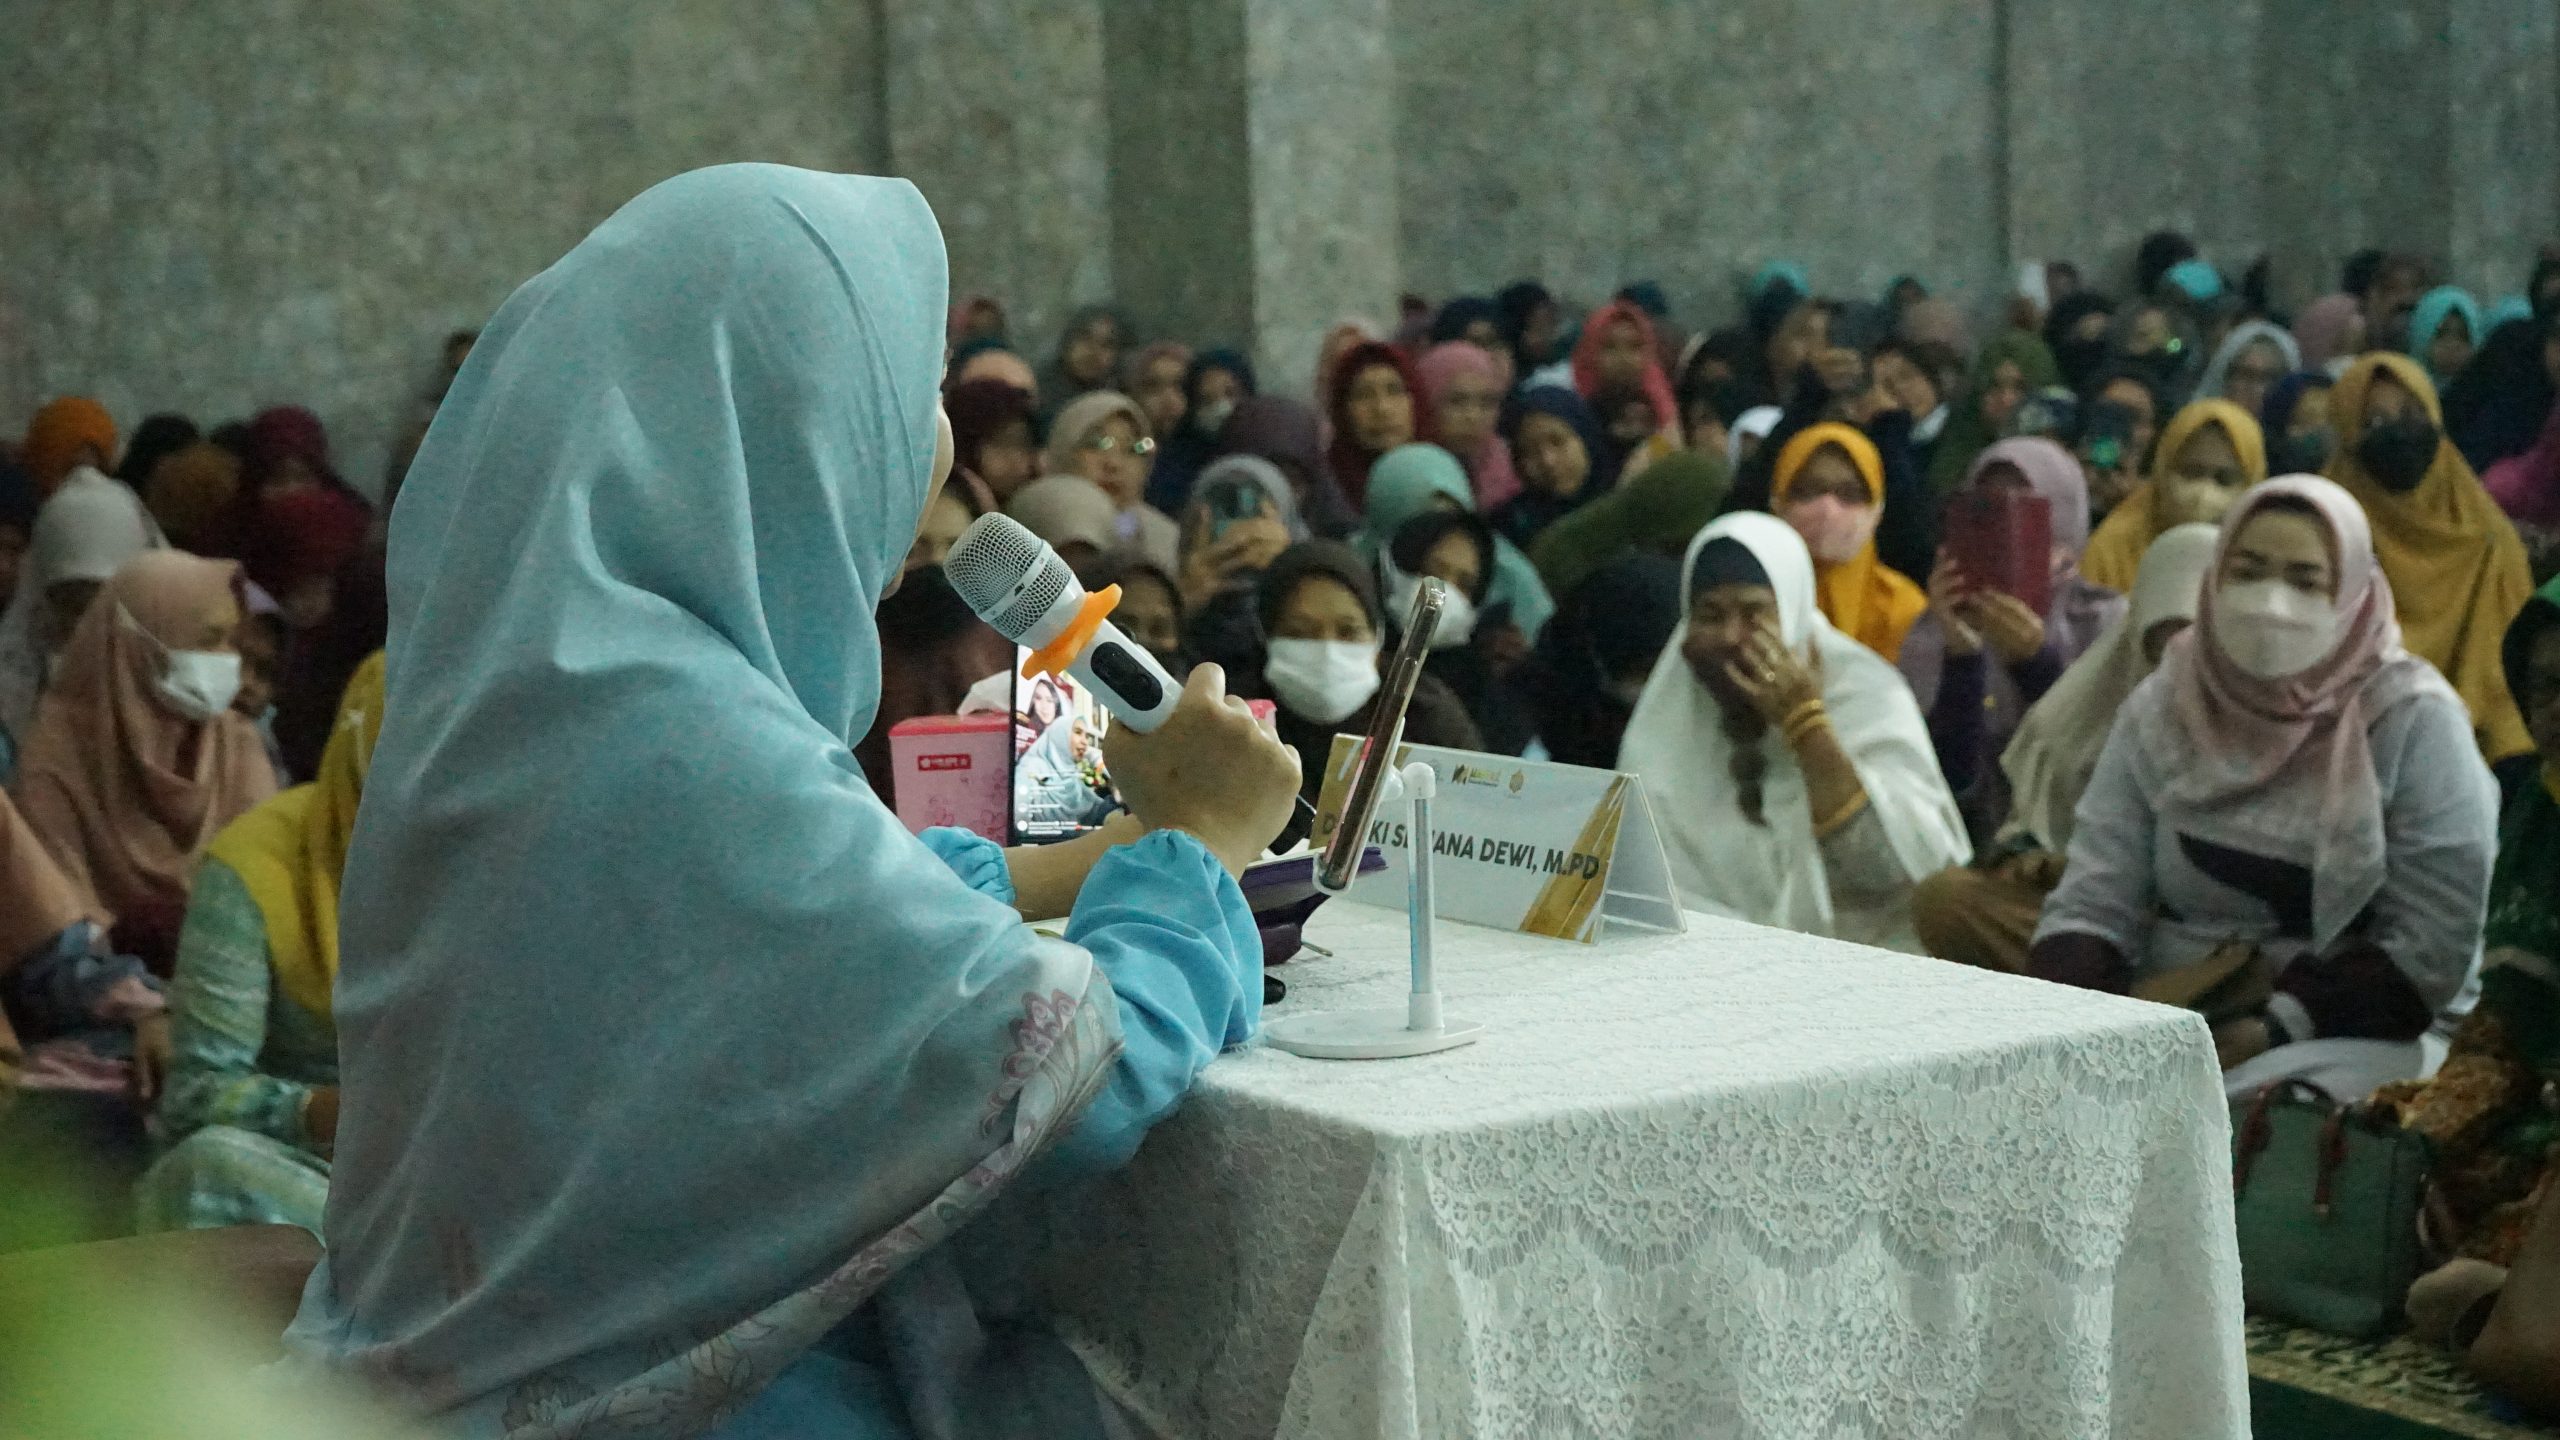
214,207
217,206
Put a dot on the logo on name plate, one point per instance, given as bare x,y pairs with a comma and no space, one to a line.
942,762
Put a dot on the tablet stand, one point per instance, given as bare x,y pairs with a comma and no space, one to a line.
1419,1028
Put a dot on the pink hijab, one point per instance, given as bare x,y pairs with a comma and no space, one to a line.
123,790
1489,468
2324,327
2294,754
1586,362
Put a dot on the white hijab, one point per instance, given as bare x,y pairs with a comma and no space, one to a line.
2055,751
86,531
1773,874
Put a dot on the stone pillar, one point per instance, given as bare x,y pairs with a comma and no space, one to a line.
995,111
1320,126
1181,185
2503,199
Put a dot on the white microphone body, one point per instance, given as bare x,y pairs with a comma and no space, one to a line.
1024,591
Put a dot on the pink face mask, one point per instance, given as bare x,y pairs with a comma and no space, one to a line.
1834,530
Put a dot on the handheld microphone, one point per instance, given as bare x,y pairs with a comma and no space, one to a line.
1026,593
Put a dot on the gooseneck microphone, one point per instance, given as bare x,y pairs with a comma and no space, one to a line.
1026,593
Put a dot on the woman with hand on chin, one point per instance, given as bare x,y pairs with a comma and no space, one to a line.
1787,764
2294,794
631,642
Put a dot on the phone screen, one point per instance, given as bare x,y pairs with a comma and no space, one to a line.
1061,788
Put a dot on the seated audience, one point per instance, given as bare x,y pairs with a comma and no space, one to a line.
1320,663
2293,797
1102,435
1373,401
2330,331
1979,658
190,493
83,535
2210,455
933,647
1153,376
17,525
1462,385
76,1018
987,359
320,663
156,439
1214,383
1473,649
992,436
2444,332
67,435
2455,564
2499,402
1828,485
136,758
1787,764
1985,914
1617,370
1287,433
2249,362
1654,513
1564,462
2011,366
251,1105
1591,662
300,540
1078,519
1087,360
2295,422
1417,478
1150,612
2486,1112
1243,513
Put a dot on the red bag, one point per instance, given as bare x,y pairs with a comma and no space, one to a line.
2003,540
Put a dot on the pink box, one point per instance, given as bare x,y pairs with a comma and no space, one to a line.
953,770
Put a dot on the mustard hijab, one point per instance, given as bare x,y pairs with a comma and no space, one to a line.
2115,552
291,851
2456,567
1863,598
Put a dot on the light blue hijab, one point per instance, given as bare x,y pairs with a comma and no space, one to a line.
665,1045
2429,317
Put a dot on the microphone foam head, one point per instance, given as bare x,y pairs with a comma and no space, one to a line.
990,565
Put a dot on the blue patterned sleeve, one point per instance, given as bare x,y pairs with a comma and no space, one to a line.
218,1020
1171,930
976,860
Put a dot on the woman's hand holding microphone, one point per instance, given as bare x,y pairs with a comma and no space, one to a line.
1211,770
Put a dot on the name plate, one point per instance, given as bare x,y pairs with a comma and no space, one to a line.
1525,845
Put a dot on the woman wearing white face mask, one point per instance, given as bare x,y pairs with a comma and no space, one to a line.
1456,549
136,758
2291,788
1321,655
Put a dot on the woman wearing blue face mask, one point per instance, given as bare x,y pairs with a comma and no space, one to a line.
670,1061
136,757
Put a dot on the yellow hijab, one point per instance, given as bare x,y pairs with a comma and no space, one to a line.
2115,552
1863,598
2457,570
292,850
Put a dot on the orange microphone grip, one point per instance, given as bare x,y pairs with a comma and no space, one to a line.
1058,654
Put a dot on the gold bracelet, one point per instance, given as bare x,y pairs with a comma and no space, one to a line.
1824,829
1803,721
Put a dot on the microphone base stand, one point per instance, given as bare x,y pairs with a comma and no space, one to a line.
1419,1028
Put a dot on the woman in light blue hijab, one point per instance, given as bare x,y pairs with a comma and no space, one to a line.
670,1060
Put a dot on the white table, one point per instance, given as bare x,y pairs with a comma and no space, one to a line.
1737,1182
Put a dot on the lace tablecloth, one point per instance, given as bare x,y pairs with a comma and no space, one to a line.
1737,1182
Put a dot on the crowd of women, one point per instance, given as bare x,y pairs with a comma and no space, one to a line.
2270,727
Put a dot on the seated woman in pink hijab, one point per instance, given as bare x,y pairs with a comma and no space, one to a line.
2290,827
